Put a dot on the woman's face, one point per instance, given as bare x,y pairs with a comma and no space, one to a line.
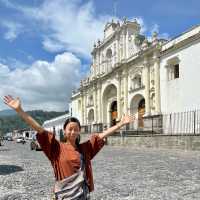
72,131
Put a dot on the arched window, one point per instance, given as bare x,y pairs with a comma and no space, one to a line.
173,68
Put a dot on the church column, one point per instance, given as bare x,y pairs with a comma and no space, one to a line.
98,70
97,63
124,44
147,85
94,65
157,83
119,97
95,102
100,62
82,108
118,49
85,108
125,91
99,104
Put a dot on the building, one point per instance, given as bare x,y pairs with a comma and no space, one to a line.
179,72
124,78
27,133
132,74
55,125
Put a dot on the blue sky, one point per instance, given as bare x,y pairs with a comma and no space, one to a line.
45,45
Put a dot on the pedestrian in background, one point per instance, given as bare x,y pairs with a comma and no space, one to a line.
71,160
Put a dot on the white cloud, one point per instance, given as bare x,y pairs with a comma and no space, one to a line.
140,20
4,70
45,85
155,28
71,26
66,25
13,29
52,46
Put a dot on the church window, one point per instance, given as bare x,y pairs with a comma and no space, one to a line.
176,71
173,72
173,68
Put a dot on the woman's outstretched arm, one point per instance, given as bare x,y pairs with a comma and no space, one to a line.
15,104
126,119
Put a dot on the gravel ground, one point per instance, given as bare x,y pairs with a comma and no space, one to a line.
120,173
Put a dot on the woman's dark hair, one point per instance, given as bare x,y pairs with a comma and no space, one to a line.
73,119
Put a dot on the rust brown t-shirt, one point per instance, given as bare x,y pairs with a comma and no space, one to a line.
65,159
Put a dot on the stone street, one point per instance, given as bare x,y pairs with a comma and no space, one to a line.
120,173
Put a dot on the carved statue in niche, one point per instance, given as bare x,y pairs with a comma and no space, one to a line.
90,100
152,73
152,100
131,45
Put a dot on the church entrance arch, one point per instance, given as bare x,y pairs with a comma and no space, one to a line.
90,119
137,108
113,113
141,112
110,105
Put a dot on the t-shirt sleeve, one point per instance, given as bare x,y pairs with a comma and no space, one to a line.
49,144
93,146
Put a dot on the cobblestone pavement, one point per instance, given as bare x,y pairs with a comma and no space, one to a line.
121,173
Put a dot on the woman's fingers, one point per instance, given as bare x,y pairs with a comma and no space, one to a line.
129,118
7,99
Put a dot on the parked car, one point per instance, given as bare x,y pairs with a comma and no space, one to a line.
21,140
9,138
34,145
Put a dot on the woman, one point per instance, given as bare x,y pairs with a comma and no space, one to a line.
70,160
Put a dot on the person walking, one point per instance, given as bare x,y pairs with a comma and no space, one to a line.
71,160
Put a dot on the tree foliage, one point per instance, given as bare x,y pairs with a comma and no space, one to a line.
10,123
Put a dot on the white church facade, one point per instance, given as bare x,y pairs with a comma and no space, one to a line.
144,77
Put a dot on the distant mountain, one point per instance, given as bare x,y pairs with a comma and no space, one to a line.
9,121
7,112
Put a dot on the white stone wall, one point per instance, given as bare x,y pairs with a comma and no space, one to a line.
58,127
55,125
181,94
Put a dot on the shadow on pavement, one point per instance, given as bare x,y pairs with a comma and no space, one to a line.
9,169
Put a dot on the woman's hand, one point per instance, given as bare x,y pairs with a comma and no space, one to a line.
12,103
126,119
16,105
